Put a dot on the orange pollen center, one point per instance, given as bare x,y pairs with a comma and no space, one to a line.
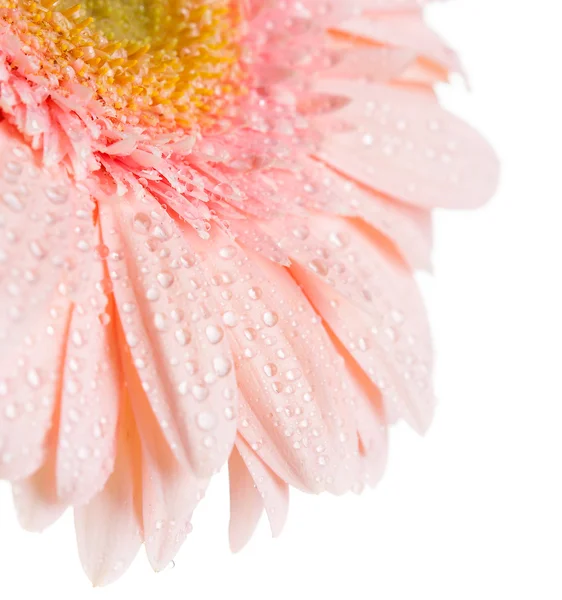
155,63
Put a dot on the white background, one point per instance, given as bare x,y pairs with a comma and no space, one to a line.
474,510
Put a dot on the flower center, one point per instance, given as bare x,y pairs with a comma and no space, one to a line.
135,20
156,63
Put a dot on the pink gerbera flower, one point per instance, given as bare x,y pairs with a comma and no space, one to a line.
211,211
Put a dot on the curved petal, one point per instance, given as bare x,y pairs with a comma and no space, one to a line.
408,228
246,504
272,490
405,145
385,329
170,491
286,367
46,249
405,30
358,61
173,331
35,498
29,392
90,394
108,528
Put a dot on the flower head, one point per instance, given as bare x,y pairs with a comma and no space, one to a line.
211,212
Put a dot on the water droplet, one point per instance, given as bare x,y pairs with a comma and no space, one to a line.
187,260
152,294
227,252
363,344
37,249
160,233
301,232
165,279
208,441
182,337
206,421
255,293
270,369
77,338
57,194
10,411
222,366
229,319
339,239
293,374
142,222
13,202
250,334
214,334
33,378
270,318
190,367
83,453
132,339
200,392
160,321
318,266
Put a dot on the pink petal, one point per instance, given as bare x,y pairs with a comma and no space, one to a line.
371,423
385,328
405,145
108,528
408,228
91,390
170,491
355,61
35,498
46,241
286,366
30,382
405,30
253,486
170,495
245,502
173,331
272,490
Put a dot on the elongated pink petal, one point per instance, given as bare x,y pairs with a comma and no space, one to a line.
170,495
405,30
36,502
90,394
355,61
30,386
173,332
286,367
35,498
46,241
272,490
108,528
253,486
406,146
246,504
170,491
388,336
371,420
408,228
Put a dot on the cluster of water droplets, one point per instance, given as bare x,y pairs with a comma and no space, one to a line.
46,249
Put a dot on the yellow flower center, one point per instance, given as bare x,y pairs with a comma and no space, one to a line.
159,63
